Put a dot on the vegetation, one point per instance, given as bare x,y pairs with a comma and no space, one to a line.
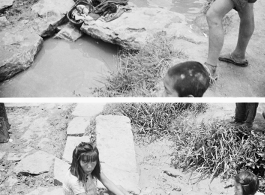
140,71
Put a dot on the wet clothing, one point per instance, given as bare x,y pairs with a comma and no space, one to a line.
239,4
246,112
71,185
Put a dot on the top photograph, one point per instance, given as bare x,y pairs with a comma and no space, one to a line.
132,48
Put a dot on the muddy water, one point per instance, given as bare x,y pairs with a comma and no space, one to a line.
64,69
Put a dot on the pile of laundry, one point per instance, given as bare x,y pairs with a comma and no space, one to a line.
106,10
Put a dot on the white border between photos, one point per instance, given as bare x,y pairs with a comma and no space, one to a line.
132,99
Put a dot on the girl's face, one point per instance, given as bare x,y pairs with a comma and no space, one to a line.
238,189
88,167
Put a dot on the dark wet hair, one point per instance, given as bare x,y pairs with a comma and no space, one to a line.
249,182
190,78
86,152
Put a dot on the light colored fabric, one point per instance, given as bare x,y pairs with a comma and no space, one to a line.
71,185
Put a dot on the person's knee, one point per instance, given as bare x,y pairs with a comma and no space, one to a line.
213,18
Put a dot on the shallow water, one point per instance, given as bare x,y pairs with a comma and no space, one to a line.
69,69
64,69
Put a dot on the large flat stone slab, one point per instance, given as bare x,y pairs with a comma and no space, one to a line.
36,163
60,169
47,191
117,153
16,156
2,154
71,143
18,50
5,4
88,110
132,29
77,126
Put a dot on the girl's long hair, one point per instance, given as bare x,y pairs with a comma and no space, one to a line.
87,152
249,182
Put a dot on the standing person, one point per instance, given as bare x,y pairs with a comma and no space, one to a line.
214,16
245,114
246,183
83,172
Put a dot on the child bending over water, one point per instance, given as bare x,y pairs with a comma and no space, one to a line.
83,172
246,183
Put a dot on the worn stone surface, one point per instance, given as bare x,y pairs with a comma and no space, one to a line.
18,50
2,154
5,4
88,110
69,32
36,163
132,29
117,153
36,129
11,181
60,169
52,14
43,142
3,21
16,156
77,126
47,191
70,145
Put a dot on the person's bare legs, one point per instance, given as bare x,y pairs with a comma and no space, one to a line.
246,29
214,18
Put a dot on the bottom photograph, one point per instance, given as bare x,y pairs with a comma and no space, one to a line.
132,148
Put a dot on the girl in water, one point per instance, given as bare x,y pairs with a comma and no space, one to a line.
83,172
246,183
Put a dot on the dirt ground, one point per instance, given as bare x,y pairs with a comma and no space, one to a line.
233,81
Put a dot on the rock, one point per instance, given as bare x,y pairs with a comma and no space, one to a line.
132,29
11,181
43,142
88,110
70,145
60,169
36,129
52,14
5,4
3,21
77,126
36,163
117,153
16,156
69,33
2,154
18,50
47,191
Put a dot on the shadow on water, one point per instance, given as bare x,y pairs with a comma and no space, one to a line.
64,69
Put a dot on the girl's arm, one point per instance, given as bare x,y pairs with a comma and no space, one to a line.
111,186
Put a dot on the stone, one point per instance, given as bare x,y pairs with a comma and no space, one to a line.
47,191
69,33
60,169
117,153
36,129
70,145
77,126
132,29
36,163
52,14
16,156
5,4
18,50
2,154
3,21
43,142
11,181
88,110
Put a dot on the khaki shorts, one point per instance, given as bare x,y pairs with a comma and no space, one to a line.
240,4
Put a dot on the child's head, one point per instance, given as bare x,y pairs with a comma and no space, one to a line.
186,79
85,161
246,183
